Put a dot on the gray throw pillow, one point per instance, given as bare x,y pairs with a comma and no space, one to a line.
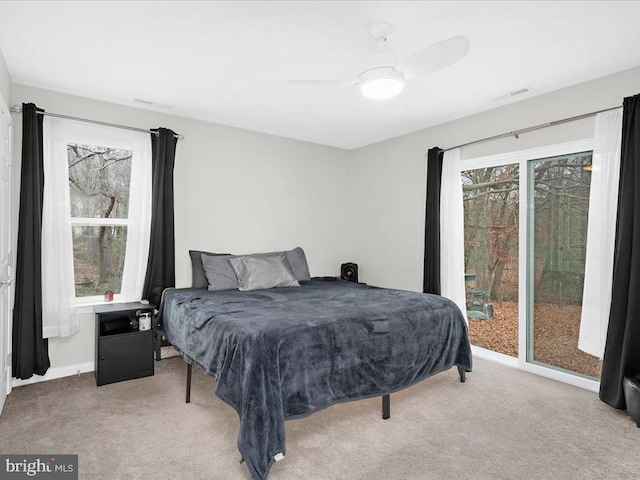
262,271
220,275
198,278
298,263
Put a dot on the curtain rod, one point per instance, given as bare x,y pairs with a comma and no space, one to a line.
18,109
516,133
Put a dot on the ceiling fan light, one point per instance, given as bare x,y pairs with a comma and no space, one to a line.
381,83
382,88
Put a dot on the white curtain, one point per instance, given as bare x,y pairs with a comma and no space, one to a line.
59,317
452,231
139,225
603,203
58,282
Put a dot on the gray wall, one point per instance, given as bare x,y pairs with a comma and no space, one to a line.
5,81
235,191
388,179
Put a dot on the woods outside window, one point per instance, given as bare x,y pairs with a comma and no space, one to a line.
99,184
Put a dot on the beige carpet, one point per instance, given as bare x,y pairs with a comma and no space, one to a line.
500,424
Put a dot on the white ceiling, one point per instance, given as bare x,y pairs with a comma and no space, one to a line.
229,62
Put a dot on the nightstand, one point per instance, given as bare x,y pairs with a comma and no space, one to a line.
122,351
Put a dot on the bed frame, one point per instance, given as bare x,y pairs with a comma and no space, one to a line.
386,399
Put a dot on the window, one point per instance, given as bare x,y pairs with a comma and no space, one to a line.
99,211
99,184
95,224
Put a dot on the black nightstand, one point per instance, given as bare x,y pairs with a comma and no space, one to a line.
122,352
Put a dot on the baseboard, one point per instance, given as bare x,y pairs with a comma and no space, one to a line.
56,372
496,357
541,371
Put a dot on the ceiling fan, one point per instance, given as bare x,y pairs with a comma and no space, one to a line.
388,77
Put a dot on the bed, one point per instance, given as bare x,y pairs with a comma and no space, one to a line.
285,353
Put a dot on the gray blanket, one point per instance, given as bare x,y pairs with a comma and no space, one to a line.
285,353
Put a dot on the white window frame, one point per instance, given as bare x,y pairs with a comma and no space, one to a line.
81,133
521,158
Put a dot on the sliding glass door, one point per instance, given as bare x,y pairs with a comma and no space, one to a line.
491,212
558,189
525,231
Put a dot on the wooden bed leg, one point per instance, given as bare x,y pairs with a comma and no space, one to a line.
386,407
462,373
188,397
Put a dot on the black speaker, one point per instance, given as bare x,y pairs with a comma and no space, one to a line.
349,271
115,326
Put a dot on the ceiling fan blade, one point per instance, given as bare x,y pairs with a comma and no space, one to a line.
435,57
323,83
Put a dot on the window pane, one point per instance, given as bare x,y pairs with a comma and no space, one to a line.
98,259
491,201
99,180
560,189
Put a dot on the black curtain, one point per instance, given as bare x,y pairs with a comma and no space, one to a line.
30,351
431,279
161,264
622,350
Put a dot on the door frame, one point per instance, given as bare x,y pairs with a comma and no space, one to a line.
522,158
5,117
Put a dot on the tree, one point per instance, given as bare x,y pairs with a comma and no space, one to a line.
99,182
560,201
491,224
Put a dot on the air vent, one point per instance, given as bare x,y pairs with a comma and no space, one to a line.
524,91
149,103
518,92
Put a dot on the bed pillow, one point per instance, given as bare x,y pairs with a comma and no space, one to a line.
298,263
262,271
198,278
220,275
